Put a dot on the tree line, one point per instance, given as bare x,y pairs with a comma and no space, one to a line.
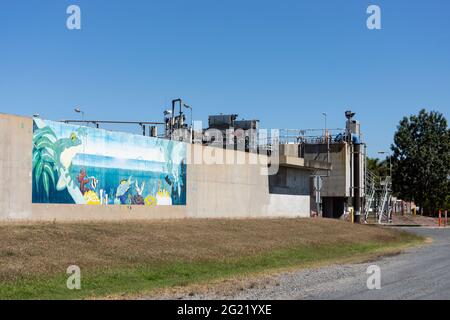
420,161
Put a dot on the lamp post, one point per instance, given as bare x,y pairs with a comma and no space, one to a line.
190,108
192,123
168,120
326,137
78,110
390,161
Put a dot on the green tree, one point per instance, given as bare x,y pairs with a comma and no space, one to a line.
421,160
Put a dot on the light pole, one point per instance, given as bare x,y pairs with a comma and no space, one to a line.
190,108
390,161
192,123
325,118
169,123
326,137
78,110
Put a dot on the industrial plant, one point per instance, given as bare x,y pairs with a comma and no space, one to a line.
330,166
309,172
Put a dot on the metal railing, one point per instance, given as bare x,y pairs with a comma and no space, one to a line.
385,209
302,136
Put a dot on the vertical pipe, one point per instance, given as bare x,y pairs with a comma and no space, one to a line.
351,191
153,131
357,182
172,119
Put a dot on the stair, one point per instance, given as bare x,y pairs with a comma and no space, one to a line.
385,209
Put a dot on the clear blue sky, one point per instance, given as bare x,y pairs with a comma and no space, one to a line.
283,62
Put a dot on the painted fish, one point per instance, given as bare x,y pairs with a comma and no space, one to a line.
123,187
94,183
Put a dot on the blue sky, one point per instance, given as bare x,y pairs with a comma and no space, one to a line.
283,62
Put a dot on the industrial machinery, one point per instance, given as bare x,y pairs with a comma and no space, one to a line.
235,134
175,124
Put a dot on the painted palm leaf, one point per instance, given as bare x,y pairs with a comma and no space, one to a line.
45,176
45,182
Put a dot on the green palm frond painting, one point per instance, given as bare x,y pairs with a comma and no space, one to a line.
44,169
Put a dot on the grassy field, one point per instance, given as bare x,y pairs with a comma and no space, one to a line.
134,257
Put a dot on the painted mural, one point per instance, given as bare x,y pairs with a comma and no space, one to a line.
83,165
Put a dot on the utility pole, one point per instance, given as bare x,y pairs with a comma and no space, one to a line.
326,137
390,161
78,110
192,122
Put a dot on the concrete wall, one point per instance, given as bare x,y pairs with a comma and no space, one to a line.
337,188
339,183
291,181
219,190
15,166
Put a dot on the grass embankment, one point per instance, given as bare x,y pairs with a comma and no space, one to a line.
134,257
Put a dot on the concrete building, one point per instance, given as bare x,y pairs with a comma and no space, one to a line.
212,190
343,186
339,186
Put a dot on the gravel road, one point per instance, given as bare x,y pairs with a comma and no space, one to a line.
418,273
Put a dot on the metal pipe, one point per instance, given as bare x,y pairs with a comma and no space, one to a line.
357,182
153,131
173,106
97,123
111,122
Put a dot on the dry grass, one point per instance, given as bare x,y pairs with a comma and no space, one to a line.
417,220
29,251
